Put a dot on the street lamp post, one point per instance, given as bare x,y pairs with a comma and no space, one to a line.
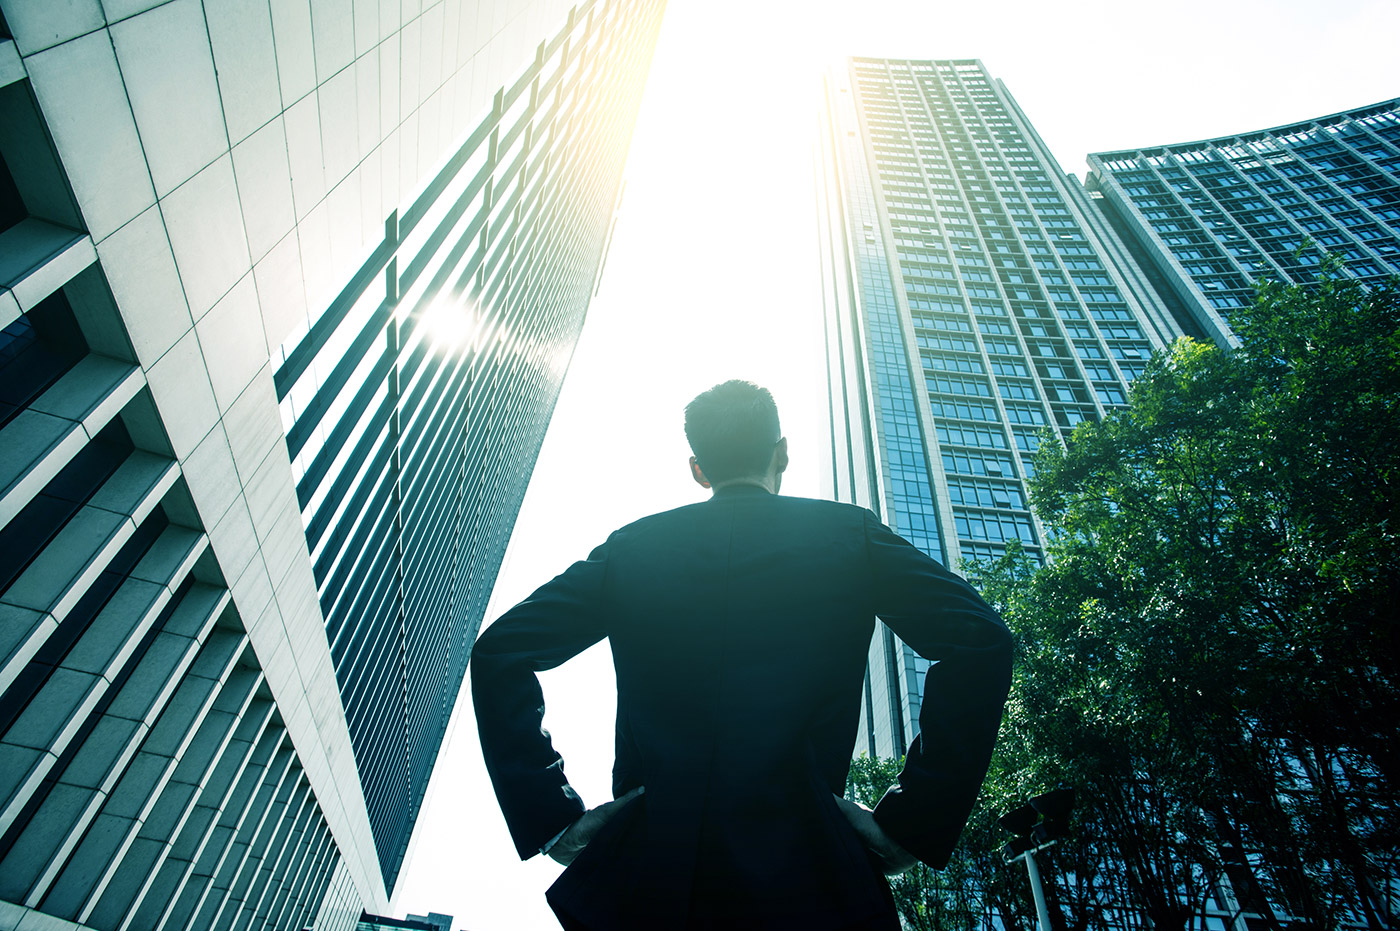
1042,911
1035,826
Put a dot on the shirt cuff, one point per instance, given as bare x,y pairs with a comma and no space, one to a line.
554,840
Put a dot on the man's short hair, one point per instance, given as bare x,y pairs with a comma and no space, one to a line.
732,429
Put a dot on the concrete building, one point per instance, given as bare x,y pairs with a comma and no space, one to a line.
435,920
973,297
430,922
288,291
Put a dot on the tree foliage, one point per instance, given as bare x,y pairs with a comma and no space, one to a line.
926,899
1209,653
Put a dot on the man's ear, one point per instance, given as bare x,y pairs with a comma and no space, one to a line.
698,474
780,455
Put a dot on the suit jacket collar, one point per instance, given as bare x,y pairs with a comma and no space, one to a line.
735,491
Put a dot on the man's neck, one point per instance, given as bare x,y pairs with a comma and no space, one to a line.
767,483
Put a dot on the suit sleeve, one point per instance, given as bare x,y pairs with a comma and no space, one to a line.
560,620
942,618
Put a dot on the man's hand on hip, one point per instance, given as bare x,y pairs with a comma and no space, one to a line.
893,858
571,843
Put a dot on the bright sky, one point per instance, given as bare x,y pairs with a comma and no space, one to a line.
711,276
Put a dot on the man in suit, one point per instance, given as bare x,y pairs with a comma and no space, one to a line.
739,629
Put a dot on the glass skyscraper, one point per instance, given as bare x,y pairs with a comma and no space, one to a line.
287,294
973,298
1214,217
416,401
975,294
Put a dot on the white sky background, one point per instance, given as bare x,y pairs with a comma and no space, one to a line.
712,275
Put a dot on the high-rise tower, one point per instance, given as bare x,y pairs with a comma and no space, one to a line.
415,402
288,292
1212,218
973,297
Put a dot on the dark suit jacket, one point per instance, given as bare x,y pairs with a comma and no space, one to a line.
739,629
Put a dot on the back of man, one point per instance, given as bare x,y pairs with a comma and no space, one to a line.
739,629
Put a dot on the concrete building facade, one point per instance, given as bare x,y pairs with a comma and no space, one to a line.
219,222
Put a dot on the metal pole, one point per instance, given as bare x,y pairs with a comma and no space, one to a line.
1041,911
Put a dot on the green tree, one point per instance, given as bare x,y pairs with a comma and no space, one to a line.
926,899
1076,718
1209,653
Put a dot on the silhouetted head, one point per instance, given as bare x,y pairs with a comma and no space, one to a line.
734,433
